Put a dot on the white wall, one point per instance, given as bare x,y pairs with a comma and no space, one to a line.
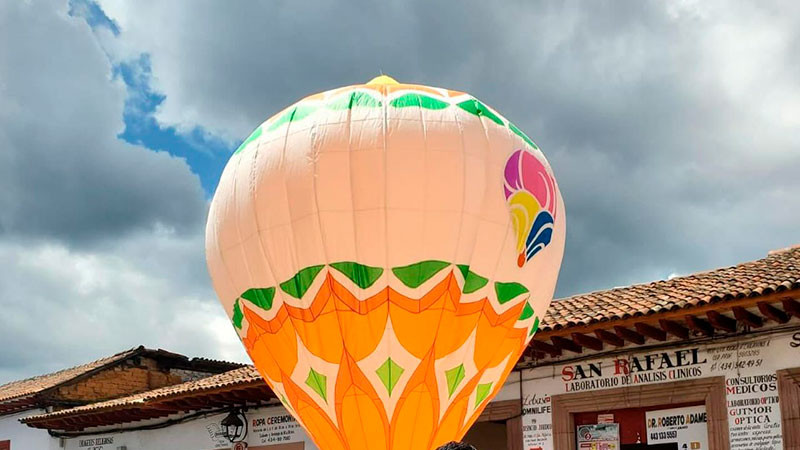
747,363
266,426
740,361
24,437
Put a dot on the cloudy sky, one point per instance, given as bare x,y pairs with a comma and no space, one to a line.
673,129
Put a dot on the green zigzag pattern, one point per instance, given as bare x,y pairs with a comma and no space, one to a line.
362,99
363,276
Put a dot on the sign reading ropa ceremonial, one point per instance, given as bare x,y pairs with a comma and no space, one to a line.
385,252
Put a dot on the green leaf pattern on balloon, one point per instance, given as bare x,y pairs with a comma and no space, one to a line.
422,101
237,315
253,136
508,291
477,108
472,281
414,275
261,297
360,99
482,392
299,284
318,382
364,276
454,377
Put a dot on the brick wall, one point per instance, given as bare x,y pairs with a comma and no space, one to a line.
190,375
125,379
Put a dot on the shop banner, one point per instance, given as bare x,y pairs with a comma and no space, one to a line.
276,426
754,417
688,427
537,427
603,436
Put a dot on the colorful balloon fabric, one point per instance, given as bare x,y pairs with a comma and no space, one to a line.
385,252
531,194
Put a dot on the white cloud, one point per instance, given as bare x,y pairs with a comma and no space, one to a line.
101,243
671,126
63,306
672,129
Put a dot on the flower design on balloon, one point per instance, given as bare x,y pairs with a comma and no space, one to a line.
530,193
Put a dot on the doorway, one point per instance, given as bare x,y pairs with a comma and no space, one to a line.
709,392
499,427
488,435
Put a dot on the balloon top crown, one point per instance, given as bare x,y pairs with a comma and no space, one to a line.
383,79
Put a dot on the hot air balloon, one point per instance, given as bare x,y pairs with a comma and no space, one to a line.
385,252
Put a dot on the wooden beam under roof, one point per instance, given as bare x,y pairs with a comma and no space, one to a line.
609,338
535,354
629,335
674,328
566,344
791,307
651,331
699,325
587,341
542,346
772,313
748,318
720,322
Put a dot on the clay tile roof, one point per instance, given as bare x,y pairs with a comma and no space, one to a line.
779,271
37,384
29,387
246,375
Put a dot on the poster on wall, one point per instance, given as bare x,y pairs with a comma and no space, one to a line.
104,442
687,426
275,426
601,436
537,429
754,416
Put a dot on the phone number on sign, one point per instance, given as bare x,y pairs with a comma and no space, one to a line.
661,435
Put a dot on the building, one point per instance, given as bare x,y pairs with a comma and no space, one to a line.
710,360
129,372
706,361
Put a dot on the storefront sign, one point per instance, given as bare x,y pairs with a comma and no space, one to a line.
216,435
754,416
275,427
105,442
748,366
98,443
605,418
537,427
653,367
603,436
265,427
688,427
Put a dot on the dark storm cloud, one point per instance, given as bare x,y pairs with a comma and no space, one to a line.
101,245
671,127
64,174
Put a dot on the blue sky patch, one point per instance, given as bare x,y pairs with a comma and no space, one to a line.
205,153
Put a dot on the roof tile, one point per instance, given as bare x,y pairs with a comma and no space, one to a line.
779,271
37,384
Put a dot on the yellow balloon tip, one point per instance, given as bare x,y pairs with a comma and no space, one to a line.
383,79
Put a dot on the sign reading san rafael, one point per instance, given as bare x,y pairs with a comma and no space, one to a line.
648,368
